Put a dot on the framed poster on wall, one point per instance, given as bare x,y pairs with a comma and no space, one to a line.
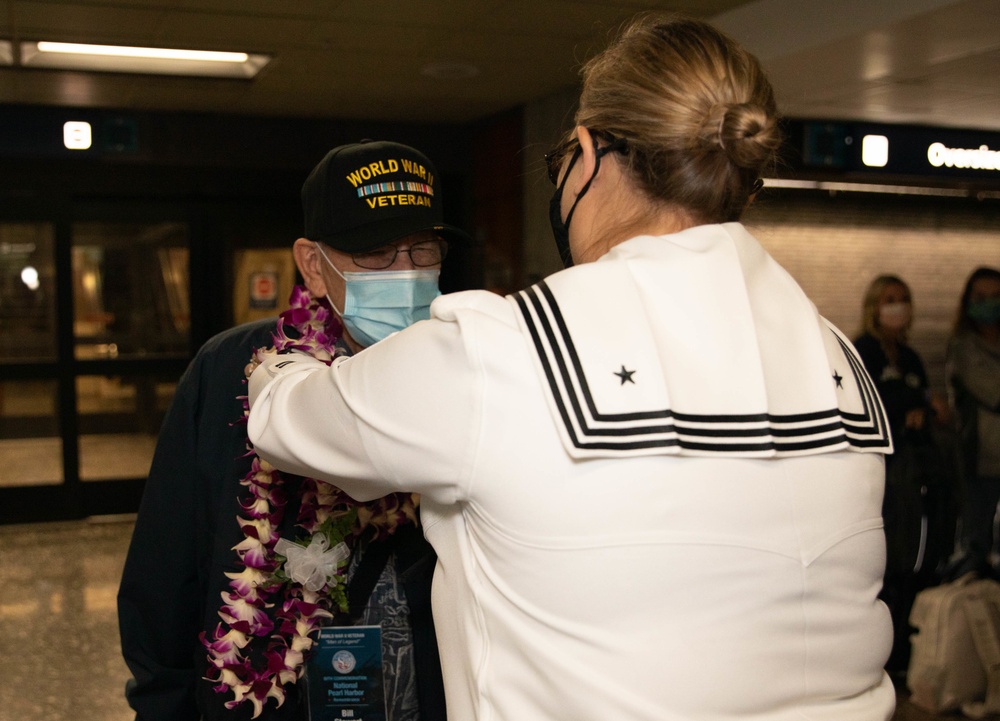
262,284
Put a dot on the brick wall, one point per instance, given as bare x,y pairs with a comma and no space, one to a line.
834,245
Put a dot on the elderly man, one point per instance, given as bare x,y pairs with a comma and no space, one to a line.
211,621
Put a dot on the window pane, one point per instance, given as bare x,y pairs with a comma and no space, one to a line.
120,418
27,292
30,447
130,290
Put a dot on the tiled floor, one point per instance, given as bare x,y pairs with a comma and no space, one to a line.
59,653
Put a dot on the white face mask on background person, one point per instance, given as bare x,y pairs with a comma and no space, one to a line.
379,303
895,316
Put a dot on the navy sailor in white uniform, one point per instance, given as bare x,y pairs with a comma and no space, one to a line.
653,480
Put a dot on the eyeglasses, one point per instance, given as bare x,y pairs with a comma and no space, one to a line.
422,254
554,158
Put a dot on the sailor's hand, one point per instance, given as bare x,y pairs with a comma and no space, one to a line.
258,357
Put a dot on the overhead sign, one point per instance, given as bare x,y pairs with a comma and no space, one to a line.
901,150
77,135
981,158
57,132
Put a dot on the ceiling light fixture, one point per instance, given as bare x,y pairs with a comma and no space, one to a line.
139,52
6,52
157,61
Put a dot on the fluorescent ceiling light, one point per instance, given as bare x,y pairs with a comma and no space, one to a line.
158,61
128,52
6,52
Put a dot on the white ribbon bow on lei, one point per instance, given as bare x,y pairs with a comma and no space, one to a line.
312,566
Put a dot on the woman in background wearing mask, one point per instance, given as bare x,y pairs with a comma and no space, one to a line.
898,372
913,504
973,372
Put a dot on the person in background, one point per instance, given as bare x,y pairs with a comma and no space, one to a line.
215,522
973,373
918,515
653,480
896,368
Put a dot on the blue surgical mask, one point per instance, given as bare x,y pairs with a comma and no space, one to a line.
378,303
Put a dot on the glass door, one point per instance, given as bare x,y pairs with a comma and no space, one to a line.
131,307
95,331
30,442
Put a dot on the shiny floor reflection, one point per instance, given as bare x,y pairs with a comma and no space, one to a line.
60,659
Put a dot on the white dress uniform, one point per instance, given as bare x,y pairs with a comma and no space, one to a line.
654,484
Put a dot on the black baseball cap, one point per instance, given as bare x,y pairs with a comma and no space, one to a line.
365,195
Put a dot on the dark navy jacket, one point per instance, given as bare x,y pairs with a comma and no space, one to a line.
182,547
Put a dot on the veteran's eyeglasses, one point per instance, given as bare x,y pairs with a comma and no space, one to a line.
423,254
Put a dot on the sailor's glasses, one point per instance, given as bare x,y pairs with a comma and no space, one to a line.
555,157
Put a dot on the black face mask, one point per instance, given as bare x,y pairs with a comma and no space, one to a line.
560,228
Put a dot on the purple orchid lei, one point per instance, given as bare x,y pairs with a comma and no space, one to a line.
287,589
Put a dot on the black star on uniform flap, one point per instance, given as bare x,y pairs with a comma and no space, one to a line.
625,375
838,378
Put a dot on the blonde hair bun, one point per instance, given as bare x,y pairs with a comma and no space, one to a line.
695,107
748,135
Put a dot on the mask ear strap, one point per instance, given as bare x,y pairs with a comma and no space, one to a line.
618,144
332,266
330,262
569,167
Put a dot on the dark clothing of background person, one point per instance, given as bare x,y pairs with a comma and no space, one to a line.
903,387
974,379
182,547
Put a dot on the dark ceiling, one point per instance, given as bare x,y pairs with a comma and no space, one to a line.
454,61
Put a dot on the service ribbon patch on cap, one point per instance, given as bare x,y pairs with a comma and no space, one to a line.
390,193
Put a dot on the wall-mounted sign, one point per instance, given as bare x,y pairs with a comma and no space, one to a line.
264,289
262,281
